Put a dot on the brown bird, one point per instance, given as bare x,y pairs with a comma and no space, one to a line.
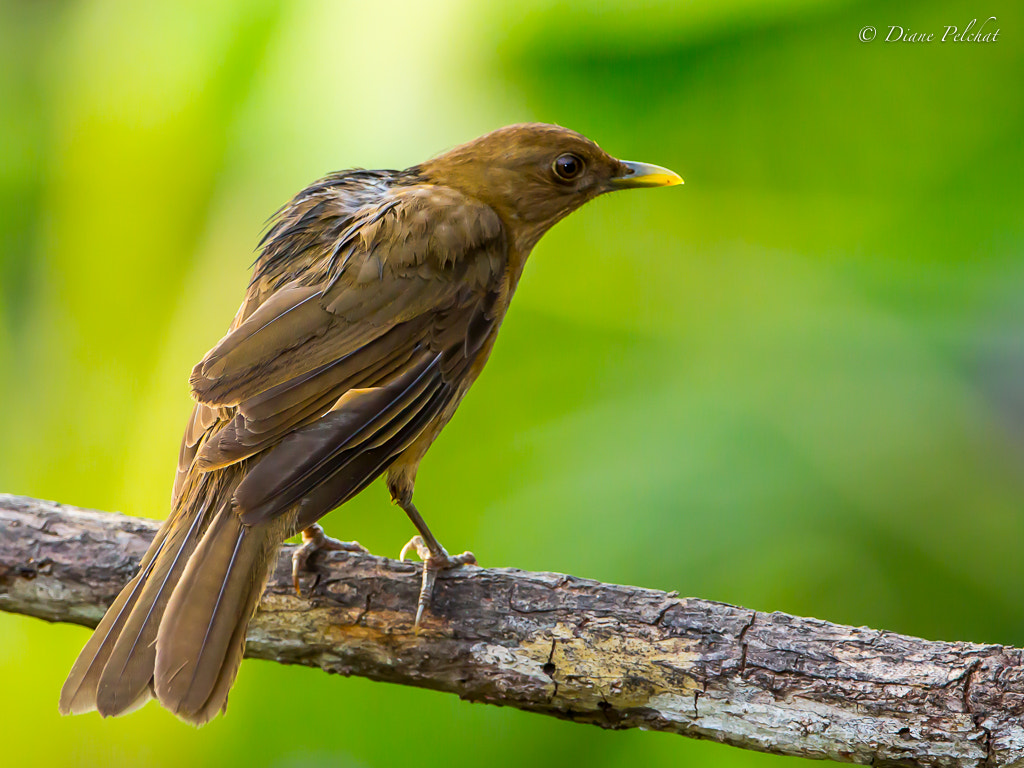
373,306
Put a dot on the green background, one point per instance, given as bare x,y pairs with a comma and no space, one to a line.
795,383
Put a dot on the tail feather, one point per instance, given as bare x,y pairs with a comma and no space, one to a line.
200,641
116,672
80,689
128,672
218,700
79,692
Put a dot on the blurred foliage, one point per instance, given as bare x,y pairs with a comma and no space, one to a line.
796,383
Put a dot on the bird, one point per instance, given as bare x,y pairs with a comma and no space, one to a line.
374,304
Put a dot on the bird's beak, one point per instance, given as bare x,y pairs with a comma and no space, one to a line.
644,175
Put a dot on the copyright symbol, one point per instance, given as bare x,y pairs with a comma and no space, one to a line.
867,34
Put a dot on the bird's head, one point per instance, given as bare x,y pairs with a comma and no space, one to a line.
534,174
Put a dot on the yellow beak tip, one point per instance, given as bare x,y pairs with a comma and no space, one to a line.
646,175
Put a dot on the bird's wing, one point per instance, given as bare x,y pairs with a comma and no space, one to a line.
408,256
338,374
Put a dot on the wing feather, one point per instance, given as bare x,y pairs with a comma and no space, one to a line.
308,456
340,368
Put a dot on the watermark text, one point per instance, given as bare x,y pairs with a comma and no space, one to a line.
986,31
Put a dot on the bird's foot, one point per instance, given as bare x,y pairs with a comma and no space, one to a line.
315,540
433,562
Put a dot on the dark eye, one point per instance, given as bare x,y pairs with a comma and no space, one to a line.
568,166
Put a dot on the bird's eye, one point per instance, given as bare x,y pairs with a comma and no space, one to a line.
567,166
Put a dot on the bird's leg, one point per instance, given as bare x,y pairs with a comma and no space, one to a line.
435,557
315,540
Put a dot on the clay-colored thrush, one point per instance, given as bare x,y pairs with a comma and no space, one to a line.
373,306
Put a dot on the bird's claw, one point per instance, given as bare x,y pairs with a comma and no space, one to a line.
315,540
417,543
432,564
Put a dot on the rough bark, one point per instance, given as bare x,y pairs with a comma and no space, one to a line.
614,656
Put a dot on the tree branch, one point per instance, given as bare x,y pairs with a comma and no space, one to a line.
614,656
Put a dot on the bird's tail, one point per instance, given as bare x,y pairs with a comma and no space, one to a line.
178,628
202,637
